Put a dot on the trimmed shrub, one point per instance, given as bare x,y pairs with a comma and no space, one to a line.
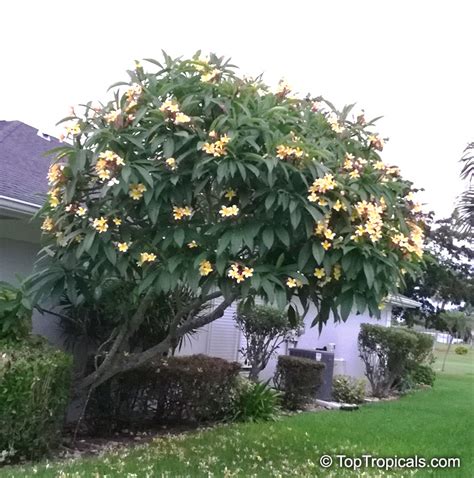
461,350
194,388
265,329
386,352
423,375
186,389
299,379
34,391
347,389
255,402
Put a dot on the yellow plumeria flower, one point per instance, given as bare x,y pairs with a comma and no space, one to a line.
193,244
205,268
336,126
337,206
326,245
136,191
171,163
81,211
146,257
123,246
379,165
112,116
337,272
230,194
328,234
55,173
181,118
100,224
211,76
354,174
180,212
239,272
227,211
48,224
322,185
117,221
292,283
319,272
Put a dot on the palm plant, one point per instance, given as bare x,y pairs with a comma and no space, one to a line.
465,205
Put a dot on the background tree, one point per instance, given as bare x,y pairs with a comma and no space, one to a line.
465,206
192,177
265,329
447,279
458,324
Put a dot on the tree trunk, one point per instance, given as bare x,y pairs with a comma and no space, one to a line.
447,352
119,363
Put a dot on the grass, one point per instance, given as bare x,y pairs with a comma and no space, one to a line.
430,423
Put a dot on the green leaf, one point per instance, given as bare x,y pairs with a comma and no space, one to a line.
178,237
110,254
168,147
270,200
369,273
303,256
283,235
268,237
318,252
346,300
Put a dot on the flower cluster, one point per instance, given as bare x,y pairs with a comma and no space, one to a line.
171,164
376,142
136,191
75,209
205,268
218,147
293,283
412,243
354,165
146,257
170,109
48,224
287,153
227,211
55,174
107,165
100,224
180,212
321,186
371,212
53,197
335,124
324,278
239,272
133,95
211,76
323,230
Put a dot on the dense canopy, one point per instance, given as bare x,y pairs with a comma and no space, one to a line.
195,176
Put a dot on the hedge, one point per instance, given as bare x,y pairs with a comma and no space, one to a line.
34,392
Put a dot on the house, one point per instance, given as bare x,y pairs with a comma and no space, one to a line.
23,186
222,338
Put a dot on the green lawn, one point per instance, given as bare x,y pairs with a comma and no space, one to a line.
431,423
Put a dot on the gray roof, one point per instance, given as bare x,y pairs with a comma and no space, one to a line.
23,164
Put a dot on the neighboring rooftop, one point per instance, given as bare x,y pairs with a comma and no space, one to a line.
23,164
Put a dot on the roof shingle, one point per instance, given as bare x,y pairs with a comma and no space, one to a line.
23,163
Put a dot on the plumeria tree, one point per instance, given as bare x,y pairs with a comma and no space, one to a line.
193,177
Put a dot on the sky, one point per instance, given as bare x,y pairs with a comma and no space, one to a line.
408,61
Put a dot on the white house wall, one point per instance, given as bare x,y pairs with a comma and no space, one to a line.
222,339
17,257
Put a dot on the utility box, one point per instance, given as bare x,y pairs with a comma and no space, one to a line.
327,358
